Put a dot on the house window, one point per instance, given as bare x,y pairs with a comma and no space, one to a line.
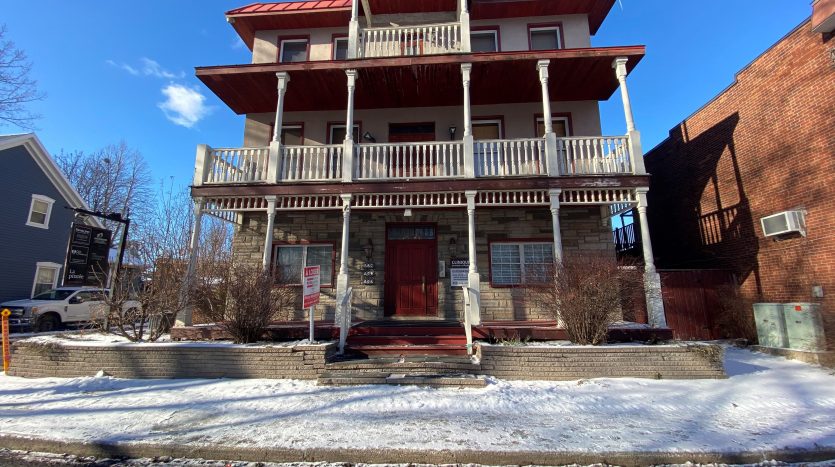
40,211
545,38
46,277
336,133
293,50
487,129
291,259
560,124
484,41
515,263
340,48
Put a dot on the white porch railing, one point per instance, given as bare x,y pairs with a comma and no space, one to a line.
594,155
311,163
399,41
236,165
510,157
381,161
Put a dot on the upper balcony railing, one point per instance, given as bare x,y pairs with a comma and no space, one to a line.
405,41
501,158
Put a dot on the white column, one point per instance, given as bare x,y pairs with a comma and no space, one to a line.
550,136
268,238
652,280
202,164
473,277
342,276
348,150
184,316
554,195
469,152
464,19
354,31
274,167
635,151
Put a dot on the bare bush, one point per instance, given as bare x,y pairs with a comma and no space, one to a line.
242,300
734,317
587,293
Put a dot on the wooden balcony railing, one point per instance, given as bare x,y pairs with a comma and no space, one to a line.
409,160
401,41
574,156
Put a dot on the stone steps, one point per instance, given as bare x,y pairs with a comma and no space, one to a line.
400,379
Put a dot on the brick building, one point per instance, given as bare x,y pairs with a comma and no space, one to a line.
765,144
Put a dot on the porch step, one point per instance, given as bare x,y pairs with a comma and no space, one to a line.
428,380
409,365
408,349
408,328
412,339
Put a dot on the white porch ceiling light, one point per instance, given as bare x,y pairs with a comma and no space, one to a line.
407,213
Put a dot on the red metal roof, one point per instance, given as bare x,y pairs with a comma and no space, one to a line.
274,7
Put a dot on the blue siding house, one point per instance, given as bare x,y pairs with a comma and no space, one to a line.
33,239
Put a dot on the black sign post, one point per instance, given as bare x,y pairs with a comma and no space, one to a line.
87,256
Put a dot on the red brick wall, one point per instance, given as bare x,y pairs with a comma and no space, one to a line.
764,145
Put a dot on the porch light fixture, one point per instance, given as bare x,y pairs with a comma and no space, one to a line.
452,131
369,137
368,249
407,213
453,246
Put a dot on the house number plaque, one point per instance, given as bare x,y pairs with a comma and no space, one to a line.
368,274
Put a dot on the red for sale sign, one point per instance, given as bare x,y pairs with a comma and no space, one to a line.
310,285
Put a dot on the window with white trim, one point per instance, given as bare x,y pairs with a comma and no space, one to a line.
40,211
559,124
545,38
290,260
340,48
486,40
46,277
293,50
515,263
337,134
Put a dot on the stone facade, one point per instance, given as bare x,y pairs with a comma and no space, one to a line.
583,229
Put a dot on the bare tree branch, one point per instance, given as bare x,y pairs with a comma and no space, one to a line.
17,88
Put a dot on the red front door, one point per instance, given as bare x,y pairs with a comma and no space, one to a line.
411,287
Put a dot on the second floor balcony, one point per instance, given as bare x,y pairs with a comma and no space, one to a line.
500,158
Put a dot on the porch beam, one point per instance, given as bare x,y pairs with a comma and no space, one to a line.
348,149
652,280
268,238
354,31
636,153
273,168
342,277
469,149
464,20
547,120
184,316
554,196
473,277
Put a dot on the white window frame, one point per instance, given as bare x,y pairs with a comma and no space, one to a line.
44,199
556,30
45,265
483,121
520,245
342,125
326,282
297,41
484,32
333,51
554,119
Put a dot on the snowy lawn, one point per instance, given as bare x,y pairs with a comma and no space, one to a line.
767,403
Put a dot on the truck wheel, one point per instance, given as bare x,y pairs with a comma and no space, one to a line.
47,323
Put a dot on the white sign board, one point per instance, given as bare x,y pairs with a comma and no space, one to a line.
310,284
458,272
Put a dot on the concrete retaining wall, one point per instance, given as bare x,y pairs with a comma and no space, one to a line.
38,360
570,363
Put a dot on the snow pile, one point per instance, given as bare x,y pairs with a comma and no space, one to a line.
767,403
98,339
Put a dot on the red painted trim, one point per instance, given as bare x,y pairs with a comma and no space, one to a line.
567,115
281,39
500,118
332,243
508,240
557,24
285,124
334,37
332,124
495,28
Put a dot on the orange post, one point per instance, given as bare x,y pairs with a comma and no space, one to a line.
7,355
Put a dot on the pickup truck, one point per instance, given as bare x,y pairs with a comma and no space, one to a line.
49,310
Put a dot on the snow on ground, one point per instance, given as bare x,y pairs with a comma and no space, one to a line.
767,403
99,339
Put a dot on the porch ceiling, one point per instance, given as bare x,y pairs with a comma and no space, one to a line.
427,81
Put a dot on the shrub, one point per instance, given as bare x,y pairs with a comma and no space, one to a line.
587,293
734,316
243,300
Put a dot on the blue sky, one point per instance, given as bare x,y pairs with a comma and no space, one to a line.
109,68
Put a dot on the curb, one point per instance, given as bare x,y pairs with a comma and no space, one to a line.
405,456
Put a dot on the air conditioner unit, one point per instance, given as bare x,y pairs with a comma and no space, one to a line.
783,223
